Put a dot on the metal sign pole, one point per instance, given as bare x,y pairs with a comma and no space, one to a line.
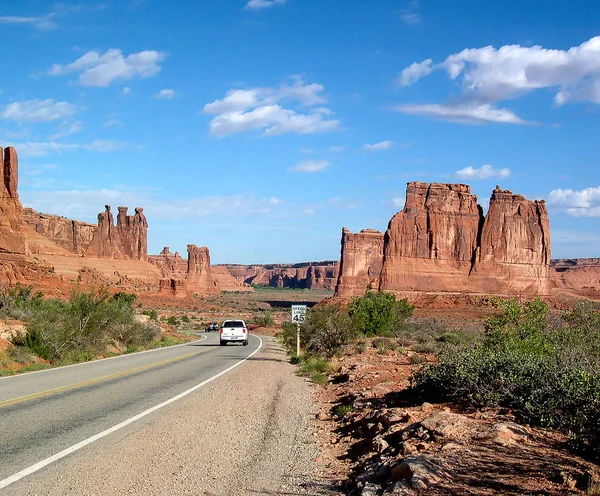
298,339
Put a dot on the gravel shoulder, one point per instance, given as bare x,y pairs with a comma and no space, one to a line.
248,432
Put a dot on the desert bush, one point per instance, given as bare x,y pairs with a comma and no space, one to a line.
546,370
334,366
319,378
21,354
80,328
185,319
172,320
383,345
342,410
379,314
360,346
312,365
264,319
326,330
153,314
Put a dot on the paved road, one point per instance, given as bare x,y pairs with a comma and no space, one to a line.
46,412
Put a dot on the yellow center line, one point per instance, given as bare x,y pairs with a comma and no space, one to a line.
77,385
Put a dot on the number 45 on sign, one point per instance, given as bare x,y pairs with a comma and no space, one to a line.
298,313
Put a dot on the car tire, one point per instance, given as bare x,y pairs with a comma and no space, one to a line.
246,343
222,343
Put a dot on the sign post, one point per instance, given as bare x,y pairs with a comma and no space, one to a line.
298,316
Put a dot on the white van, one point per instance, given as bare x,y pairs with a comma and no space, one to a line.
234,331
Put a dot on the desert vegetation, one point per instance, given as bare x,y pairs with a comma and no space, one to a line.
88,324
542,365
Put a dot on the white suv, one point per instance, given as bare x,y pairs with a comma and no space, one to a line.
234,330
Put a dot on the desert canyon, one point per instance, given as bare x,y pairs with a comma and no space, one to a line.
440,243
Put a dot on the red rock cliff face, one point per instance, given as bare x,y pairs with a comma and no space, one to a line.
361,262
441,242
514,252
199,276
171,265
12,239
71,235
431,243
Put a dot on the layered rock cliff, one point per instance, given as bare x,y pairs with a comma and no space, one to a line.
199,276
12,239
304,275
361,262
171,265
442,242
71,235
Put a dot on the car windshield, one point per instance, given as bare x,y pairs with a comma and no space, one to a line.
233,323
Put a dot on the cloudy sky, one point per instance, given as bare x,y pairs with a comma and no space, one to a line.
260,127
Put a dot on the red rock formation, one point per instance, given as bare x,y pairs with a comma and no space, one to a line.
12,239
514,251
127,240
172,266
71,235
173,287
578,276
431,243
361,262
133,234
441,242
199,276
304,275
106,242
226,282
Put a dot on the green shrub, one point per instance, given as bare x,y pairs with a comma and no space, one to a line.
153,314
264,319
311,365
546,370
383,345
379,314
319,378
172,320
185,319
325,331
342,410
360,346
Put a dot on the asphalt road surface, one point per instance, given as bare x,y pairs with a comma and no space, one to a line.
191,419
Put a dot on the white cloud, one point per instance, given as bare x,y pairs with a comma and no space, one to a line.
84,204
583,203
126,90
414,72
410,18
113,123
40,149
67,129
166,94
263,4
399,202
102,69
41,23
383,145
467,113
311,166
488,74
38,111
260,109
484,172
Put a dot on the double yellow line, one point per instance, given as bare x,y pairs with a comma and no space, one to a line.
77,385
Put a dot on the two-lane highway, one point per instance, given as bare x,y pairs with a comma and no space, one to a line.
48,415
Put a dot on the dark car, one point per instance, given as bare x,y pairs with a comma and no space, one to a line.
213,326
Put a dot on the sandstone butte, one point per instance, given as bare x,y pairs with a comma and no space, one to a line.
41,248
442,242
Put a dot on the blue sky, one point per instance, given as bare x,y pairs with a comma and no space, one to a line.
259,128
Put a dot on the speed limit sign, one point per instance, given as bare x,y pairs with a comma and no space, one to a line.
298,313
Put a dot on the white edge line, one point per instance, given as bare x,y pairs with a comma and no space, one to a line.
51,459
52,369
